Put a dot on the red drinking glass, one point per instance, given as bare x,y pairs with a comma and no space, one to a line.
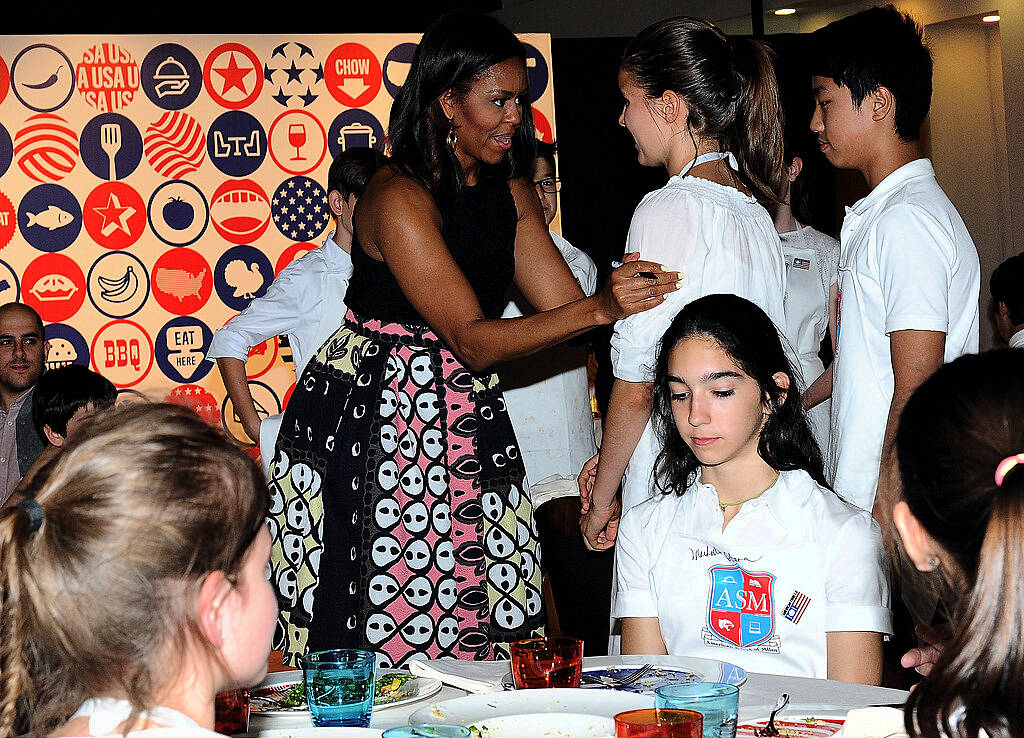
231,712
659,723
547,662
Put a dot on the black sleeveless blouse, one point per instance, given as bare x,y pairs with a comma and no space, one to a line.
480,231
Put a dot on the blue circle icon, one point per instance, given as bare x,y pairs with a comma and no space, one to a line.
355,128
181,347
6,150
396,67
243,273
111,146
536,72
300,209
178,213
10,288
49,217
236,143
67,346
171,76
42,78
118,284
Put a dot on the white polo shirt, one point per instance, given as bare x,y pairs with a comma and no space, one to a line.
307,302
793,565
907,263
547,396
723,242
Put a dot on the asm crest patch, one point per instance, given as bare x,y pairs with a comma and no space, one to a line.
741,609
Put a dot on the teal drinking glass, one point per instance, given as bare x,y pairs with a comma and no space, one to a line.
718,703
339,686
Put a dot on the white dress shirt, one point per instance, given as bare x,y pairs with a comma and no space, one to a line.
548,398
723,242
907,263
306,302
792,566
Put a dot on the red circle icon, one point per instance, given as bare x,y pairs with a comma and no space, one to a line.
182,281
54,286
107,77
352,74
233,75
8,220
122,352
5,79
297,141
240,211
261,358
290,254
200,400
542,126
114,215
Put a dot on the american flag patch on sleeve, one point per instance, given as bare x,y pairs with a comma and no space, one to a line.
796,607
799,263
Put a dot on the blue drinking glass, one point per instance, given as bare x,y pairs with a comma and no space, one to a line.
718,703
339,686
428,731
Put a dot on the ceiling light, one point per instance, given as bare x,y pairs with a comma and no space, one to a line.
990,19
789,11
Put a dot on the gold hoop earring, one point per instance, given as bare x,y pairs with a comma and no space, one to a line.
453,136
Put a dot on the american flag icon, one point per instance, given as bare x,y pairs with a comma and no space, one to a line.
796,607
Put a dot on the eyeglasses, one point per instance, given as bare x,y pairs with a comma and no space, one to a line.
549,184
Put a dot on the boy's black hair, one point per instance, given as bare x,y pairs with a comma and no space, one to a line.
61,392
879,47
352,169
1007,285
546,151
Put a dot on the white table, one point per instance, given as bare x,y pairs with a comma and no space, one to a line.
757,695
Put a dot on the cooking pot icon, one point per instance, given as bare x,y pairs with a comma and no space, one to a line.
356,135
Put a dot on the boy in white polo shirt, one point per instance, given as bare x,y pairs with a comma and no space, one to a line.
909,274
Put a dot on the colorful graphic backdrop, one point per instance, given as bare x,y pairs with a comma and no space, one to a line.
151,187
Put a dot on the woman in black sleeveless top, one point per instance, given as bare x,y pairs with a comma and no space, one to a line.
400,518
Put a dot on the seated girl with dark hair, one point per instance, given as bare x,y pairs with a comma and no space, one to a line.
747,555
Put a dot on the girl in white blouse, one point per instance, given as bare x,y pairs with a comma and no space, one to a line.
133,584
705,108
746,556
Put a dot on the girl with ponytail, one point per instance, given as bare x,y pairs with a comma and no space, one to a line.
132,585
706,108
958,507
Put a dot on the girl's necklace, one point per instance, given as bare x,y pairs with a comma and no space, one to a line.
724,505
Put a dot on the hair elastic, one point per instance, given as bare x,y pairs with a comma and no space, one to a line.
35,513
1005,465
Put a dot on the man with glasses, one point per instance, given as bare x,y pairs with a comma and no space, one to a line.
548,400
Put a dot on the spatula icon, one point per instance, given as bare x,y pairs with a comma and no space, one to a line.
110,142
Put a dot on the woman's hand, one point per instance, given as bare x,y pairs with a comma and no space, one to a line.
634,287
923,658
600,525
585,480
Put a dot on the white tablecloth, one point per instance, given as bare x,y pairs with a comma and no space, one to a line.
757,695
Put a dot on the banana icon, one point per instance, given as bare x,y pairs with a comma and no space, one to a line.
121,289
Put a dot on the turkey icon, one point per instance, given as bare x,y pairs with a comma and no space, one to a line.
242,274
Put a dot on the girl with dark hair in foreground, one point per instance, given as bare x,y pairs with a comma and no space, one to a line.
398,507
747,555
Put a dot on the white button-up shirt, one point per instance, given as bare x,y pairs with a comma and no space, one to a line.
306,302
794,564
907,263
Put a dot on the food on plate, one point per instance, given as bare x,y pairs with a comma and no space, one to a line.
389,686
292,696
797,727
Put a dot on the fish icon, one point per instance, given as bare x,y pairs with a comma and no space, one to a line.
52,218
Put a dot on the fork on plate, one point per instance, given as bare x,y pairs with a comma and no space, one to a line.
606,681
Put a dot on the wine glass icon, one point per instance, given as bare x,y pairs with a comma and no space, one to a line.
297,138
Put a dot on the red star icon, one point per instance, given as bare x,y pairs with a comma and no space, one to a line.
234,75
115,216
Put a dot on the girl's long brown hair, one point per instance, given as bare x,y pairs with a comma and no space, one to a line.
729,87
955,429
98,601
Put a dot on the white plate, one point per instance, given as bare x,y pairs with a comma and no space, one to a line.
799,714
320,733
474,708
418,688
704,670
548,725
